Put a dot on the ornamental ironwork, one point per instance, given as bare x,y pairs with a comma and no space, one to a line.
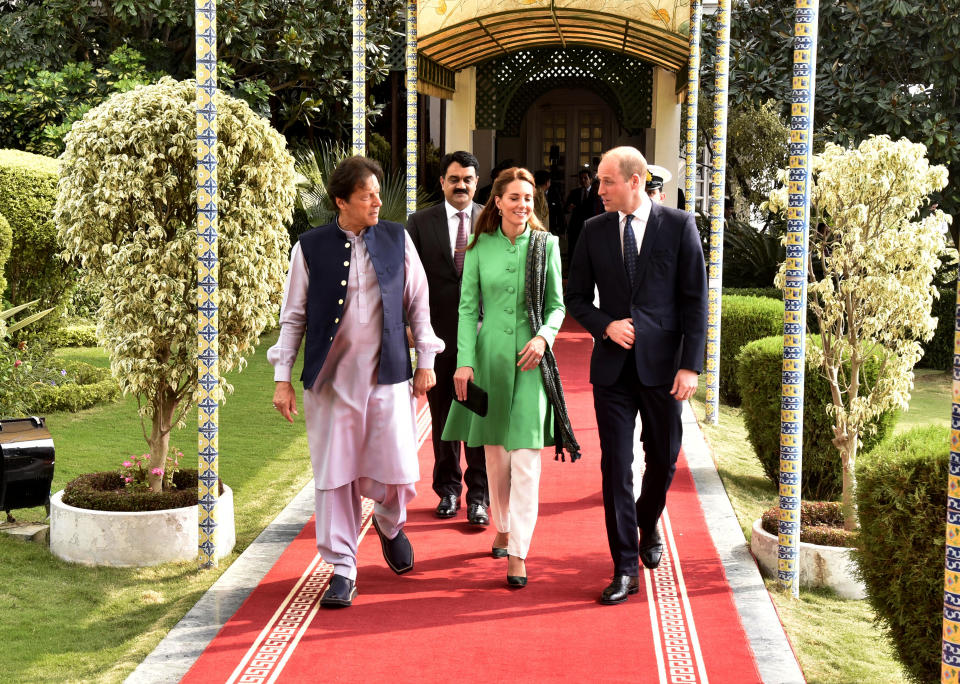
507,86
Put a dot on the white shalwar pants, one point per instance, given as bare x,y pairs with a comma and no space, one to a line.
339,514
513,478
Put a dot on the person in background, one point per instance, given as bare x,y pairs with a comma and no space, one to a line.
351,282
656,177
440,233
540,205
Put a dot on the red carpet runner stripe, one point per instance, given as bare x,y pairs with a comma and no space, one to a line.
454,618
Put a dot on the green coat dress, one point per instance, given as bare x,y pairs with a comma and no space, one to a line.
519,414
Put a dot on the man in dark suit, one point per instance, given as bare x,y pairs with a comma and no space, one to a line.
649,334
580,204
440,235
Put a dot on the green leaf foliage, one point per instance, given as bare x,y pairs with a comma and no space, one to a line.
902,500
74,335
759,375
883,67
127,213
289,60
743,320
821,522
938,350
28,191
38,106
93,386
105,492
6,242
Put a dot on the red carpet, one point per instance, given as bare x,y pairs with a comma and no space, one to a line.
453,617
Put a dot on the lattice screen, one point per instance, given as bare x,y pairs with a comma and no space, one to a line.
507,86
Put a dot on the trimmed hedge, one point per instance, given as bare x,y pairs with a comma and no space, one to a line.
938,352
75,335
28,191
769,292
821,522
743,320
6,242
94,386
759,373
105,491
902,499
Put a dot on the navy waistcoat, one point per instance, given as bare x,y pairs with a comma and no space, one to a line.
328,253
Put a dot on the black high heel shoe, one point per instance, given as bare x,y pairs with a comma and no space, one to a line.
497,552
517,581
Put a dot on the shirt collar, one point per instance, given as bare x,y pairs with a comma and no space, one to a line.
452,210
641,213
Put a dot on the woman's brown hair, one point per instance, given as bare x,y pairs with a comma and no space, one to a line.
489,219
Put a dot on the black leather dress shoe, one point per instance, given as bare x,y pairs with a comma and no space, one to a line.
651,549
448,506
397,551
618,590
339,593
477,514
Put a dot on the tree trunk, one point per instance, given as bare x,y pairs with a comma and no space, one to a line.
159,439
851,521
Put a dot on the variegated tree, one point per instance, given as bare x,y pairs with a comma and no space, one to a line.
872,262
127,212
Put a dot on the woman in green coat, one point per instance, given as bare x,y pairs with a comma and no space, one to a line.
503,359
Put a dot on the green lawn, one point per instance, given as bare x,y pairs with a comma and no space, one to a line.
66,623
835,639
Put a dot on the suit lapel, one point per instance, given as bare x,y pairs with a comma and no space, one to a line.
616,249
646,247
441,233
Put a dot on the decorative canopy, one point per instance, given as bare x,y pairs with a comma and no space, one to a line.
460,33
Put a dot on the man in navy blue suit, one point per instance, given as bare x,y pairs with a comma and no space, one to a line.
649,334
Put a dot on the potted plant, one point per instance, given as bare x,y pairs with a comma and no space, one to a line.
126,213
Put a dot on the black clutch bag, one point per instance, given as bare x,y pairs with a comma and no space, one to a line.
476,399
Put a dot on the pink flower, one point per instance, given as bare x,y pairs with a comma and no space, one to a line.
128,480
127,464
17,363
157,471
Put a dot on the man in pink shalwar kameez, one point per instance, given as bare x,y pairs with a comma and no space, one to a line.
349,284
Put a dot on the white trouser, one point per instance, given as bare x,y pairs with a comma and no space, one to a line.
513,478
339,514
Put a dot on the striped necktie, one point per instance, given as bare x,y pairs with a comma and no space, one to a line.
631,259
458,252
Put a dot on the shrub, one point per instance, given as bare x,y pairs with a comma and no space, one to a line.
74,335
771,292
902,500
6,242
106,492
28,190
938,351
743,320
90,386
127,212
759,374
821,522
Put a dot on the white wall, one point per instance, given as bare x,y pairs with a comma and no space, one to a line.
663,141
461,112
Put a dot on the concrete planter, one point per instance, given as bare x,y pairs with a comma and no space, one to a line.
88,537
820,566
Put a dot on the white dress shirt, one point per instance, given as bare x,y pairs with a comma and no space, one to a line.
453,223
639,222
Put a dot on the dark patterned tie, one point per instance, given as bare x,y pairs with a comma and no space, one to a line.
458,251
630,257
